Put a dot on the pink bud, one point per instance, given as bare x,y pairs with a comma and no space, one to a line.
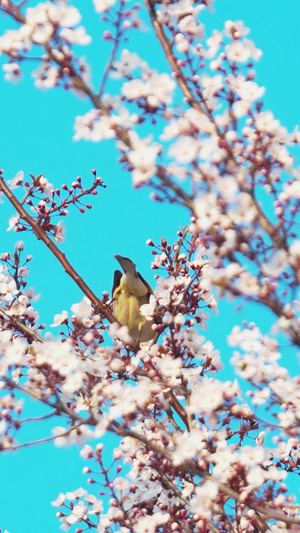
107,36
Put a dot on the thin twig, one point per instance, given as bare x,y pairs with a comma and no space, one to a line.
113,53
69,269
60,407
37,418
45,439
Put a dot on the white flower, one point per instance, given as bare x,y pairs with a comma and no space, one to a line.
164,290
42,34
250,91
170,367
265,122
59,232
185,149
211,84
60,500
121,484
78,512
61,14
143,159
184,8
46,76
276,264
103,5
77,36
66,437
248,284
235,29
156,88
60,319
127,64
23,272
120,332
237,52
290,190
150,523
188,445
147,309
182,44
208,397
294,252
20,245
189,24
82,309
13,221
260,397
203,502
87,452
13,72
45,185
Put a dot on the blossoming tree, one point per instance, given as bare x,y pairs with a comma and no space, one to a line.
201,454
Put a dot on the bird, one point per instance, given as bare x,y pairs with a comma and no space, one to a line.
130,290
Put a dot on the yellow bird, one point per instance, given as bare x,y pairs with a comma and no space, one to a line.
130,291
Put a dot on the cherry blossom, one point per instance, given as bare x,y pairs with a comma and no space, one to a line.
154,87
103,5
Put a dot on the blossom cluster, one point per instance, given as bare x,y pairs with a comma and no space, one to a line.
149,390
46,202
202,453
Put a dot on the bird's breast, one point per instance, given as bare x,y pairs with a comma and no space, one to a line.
128,298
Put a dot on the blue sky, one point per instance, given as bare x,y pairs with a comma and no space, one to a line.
36,136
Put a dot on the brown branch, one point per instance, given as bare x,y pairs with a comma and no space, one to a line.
178,493
279,242
12,384
60,256
167,48
20,326
121,133
191,467
187,466
178,408
60,407
173,402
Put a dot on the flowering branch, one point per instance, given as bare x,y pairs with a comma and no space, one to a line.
194,448
45,439
117,39
69,269
171,58
30,333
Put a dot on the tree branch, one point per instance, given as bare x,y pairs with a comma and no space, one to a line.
45,439
60,256
167,48
20,326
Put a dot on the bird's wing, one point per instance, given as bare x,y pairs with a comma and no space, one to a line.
116,282
150,291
